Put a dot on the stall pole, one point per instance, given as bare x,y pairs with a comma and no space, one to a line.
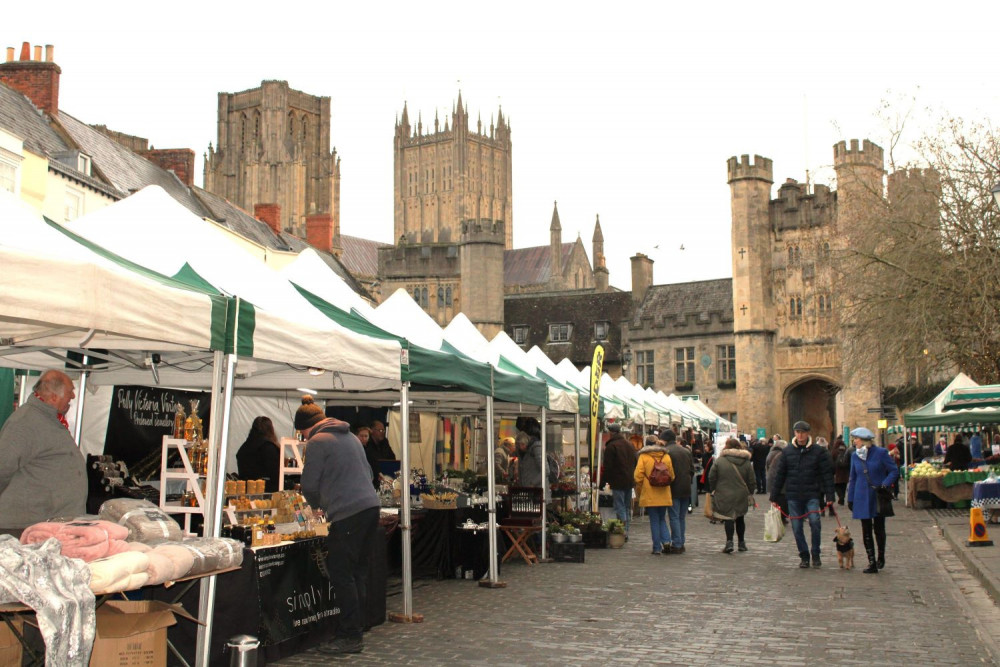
600,458
80,400
219,416
407,616
491,491
906,463
576,453
545,485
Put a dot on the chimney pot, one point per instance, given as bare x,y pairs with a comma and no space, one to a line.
38,54
10,54
25,51
49,53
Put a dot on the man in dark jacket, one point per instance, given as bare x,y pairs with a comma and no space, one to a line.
680,489
619,469
338,479
758,457
805,472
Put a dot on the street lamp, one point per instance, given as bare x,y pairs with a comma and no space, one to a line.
626,360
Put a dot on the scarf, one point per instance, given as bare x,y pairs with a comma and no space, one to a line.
863,453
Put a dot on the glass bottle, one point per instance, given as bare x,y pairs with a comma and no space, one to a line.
179,421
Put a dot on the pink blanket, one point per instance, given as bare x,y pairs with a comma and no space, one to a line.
83,539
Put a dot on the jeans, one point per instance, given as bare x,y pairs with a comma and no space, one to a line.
798,508
658,526
678,513
623,505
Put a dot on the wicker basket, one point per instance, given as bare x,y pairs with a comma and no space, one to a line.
435,504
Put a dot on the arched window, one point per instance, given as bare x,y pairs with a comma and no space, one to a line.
243,128
291,125
256,125
440,301
826,249
791,254
447,296
416,295
423,297
305,128
798,306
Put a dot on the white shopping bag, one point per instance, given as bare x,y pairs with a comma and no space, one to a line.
774,529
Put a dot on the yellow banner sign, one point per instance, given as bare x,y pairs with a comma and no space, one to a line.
596,370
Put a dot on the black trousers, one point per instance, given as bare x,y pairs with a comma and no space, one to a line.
738,524
878,524
349,544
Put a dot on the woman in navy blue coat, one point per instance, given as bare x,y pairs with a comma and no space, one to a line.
871,468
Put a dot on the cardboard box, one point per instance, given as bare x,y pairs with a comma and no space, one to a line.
133,634
10,648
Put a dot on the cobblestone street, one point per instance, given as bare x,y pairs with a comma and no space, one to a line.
705,607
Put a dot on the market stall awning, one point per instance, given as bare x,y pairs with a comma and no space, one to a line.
511,357
983,396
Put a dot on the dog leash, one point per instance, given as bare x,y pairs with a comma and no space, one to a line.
827,506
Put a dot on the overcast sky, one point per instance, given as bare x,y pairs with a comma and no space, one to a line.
624,110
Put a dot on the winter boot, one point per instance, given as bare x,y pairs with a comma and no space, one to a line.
870,551
742,545
728,549
804,560
881,559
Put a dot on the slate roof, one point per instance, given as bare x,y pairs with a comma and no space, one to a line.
699,299
360,255
20,117
531,266
235,219
581,309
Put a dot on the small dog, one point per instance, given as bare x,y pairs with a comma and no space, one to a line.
845,547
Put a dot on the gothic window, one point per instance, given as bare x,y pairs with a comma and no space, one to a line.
793,254
825,304
683,365
291,125
644,368
447,296
243,128
423,297
727,363
795,306
826,250
440,301
560,333
256,125
305,128
416,295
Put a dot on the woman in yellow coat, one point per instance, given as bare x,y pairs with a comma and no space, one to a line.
655,499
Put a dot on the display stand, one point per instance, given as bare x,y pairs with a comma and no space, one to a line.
291,448
186,473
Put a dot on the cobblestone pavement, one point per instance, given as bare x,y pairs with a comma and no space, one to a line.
704,607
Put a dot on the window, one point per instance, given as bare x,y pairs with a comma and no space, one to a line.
826,250
728,416
560,333
8,177
601,330
795,307
793,254
447,296
423,297
727,363
825,302
683,365
73,205
416,295
440,301
644,368
520,334
83,164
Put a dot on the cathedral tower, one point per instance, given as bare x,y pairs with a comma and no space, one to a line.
753,304
273,147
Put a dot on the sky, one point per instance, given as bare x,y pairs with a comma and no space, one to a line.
627,111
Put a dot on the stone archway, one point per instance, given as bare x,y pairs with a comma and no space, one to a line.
815,401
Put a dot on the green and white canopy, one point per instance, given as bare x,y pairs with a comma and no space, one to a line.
933,416
272,321
510,357
983,396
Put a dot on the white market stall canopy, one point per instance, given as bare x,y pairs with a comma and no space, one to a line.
509,356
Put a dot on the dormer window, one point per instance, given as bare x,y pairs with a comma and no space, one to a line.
520,334
560,333
83,164
601,330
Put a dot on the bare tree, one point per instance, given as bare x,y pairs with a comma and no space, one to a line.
919,263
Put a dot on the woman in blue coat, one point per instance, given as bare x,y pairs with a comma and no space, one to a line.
871,468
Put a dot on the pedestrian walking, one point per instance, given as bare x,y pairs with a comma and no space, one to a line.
758,456
872,474
732,478
805,471
840,453
772,470
656,499
680,489
620,459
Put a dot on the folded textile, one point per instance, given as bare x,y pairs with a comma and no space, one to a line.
145,521
80,538
161,568
214,553
139,546
114,573
64,606
181,560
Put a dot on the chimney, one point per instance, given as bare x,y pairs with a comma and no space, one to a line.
269,213
601,276
10,54
37,80
319,231
178,160
642,277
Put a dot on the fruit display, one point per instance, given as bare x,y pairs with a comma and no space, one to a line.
924,469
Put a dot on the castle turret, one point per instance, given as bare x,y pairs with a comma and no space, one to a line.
481,266
601,277
753,305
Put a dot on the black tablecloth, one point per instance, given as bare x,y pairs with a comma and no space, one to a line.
442,550
280,596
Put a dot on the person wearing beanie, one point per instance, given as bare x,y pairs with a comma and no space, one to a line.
620,458
337,478
656,499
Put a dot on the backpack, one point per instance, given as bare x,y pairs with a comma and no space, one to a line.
660,475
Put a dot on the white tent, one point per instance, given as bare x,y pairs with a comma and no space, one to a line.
561,398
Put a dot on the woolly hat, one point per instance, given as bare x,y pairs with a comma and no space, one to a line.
615,427
309,414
